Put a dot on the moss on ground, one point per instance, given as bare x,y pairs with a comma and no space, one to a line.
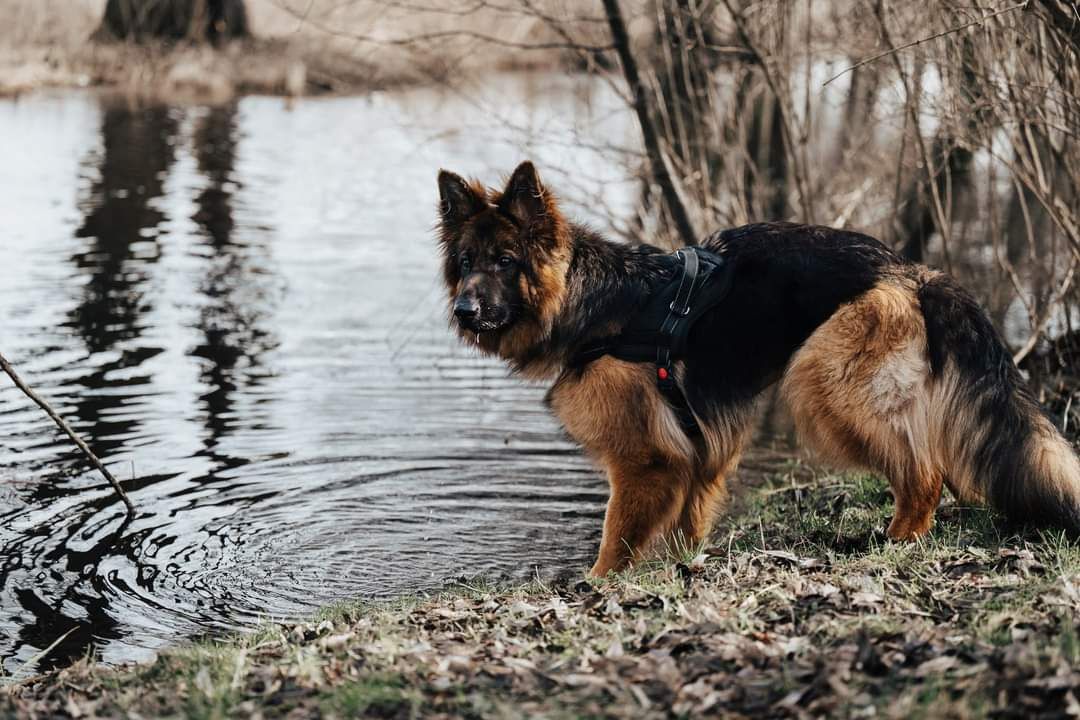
800,607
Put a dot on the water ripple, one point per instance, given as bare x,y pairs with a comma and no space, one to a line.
239,308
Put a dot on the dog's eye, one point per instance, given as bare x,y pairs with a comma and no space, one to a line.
506,261
465,264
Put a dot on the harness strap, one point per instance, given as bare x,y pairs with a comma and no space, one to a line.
679,307
677,312
697,291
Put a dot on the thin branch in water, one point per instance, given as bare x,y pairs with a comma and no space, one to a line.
28,391
28,666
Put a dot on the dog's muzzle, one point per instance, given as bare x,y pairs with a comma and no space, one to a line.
466,310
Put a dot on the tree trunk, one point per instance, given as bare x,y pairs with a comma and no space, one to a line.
661,173
198,20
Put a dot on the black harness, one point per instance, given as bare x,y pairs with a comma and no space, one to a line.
699,281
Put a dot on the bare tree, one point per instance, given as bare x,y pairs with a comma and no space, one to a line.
199,20
956,138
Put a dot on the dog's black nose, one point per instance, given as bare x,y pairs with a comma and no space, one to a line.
466,309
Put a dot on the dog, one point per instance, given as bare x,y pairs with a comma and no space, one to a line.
887,365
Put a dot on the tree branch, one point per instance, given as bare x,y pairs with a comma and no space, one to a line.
943,33
660,170
802,184
6,367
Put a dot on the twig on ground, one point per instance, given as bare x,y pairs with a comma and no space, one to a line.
6,366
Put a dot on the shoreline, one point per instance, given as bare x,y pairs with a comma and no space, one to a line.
180,72
801,608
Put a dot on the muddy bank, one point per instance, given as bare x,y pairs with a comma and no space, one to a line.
167,72
801,608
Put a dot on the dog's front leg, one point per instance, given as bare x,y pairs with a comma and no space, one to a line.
645,501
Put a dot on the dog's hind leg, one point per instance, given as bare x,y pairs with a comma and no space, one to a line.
645,503
917,494
859,390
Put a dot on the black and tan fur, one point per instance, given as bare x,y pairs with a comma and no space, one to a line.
887,365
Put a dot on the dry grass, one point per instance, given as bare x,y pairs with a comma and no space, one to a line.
49,45
59,23
437,39
802,609
313,46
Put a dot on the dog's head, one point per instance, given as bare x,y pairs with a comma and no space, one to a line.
505,257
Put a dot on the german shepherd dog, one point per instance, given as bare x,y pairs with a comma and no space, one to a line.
887,365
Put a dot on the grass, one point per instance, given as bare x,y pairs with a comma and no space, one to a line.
380,695
801,606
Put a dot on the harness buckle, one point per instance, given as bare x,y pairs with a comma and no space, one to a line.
682,313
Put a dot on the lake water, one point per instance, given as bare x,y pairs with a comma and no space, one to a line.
238,307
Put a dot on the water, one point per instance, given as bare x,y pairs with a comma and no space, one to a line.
238,308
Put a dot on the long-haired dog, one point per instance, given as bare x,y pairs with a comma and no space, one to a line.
886,365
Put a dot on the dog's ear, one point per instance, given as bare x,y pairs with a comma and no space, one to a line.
458,201
524,197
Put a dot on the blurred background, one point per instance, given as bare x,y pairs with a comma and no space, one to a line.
958,148
219,263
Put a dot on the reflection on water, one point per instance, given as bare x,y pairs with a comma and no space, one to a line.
238,307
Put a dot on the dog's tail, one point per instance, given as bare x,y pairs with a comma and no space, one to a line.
1002,448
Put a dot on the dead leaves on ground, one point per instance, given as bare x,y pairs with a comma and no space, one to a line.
967,627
